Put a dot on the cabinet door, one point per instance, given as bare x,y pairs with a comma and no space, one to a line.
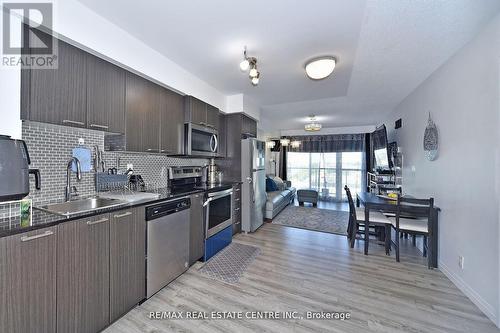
83,275
127,260
172,122
105,96
212,116
236,208
58,96
196,230
197,110
222,134
28,282
135,107
249,126
151,119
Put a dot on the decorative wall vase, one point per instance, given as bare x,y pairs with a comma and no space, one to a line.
431,140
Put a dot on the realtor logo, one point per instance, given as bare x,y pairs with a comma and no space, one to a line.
23,41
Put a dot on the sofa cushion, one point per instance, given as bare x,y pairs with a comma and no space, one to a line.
273,199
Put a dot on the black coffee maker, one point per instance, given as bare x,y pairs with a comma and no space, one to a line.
14,169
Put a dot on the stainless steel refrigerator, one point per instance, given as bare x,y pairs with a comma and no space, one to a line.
253,177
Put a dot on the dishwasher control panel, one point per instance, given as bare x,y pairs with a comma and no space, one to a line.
167,208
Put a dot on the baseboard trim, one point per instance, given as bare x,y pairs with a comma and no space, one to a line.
484,306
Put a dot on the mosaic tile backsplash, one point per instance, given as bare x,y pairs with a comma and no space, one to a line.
50,148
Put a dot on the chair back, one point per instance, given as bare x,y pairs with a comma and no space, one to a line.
352,208
415,207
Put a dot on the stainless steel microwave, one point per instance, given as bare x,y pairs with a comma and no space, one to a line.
201,140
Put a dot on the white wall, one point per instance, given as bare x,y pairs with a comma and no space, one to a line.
463,98
10,93
10,97
242,103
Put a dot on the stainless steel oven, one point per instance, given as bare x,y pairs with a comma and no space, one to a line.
201,140
218,211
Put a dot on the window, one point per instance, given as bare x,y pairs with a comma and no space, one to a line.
326,173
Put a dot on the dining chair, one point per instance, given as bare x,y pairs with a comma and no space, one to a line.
420,225
357,219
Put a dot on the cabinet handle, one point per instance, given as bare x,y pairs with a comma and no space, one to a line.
237,199
97,222
30,238
236,209
99,126
66,121
152,150
118,216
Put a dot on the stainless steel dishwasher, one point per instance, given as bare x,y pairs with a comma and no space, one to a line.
167,243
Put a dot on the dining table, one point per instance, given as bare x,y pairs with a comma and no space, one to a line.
372,201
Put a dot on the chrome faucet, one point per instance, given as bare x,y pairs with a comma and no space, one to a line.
69,192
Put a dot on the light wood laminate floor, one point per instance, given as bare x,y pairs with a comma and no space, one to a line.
301,270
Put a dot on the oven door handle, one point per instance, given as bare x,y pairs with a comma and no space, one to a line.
205,204
206,211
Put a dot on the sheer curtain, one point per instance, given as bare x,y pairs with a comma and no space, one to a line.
327,163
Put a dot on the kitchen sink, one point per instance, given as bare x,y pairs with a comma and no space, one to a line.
71,208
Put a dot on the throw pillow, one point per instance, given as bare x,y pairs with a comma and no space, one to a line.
279,183
270,185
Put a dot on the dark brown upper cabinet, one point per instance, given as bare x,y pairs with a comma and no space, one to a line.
200,113
143,108
222,134
105,96
212,116
151,119
57,96
248,126
171,122
196,111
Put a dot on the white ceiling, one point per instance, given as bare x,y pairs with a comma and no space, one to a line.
385,48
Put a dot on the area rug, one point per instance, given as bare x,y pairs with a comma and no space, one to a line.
229,264
312,218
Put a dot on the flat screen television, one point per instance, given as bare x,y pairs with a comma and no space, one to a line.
379,145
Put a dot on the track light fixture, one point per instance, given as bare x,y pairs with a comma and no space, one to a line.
250,64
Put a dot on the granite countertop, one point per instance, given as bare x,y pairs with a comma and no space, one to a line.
43,219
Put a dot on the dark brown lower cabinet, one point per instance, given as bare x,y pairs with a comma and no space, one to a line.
28,282
127,260
83,275
236,208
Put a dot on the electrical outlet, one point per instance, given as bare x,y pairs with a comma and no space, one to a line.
461,262
81,141
130,166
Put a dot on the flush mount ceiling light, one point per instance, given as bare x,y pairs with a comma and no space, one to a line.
320,68
313,126
250,64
